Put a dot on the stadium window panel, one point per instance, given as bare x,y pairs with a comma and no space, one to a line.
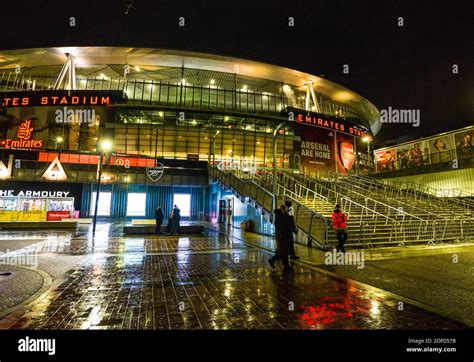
136,204
105,199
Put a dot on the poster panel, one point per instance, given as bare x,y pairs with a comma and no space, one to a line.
316,149
442,148
464,145
386,159
345,153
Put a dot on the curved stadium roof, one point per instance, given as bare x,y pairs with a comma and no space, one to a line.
85,56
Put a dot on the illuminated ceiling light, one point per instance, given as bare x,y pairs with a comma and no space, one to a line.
183,81
194,122
212,81
244,88
102,75
343,96
161,114
137,68
59,139
226,118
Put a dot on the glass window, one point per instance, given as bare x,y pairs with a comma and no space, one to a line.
183,201
105,199
136,204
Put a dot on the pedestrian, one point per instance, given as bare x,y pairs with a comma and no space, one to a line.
159,216
339,221
289,207
169,226
176,218
283,230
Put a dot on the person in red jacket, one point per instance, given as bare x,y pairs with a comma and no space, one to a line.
339,221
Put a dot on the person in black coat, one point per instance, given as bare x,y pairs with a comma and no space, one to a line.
283,234
159,216
176,219
290,212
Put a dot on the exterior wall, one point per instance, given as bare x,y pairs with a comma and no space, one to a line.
156,196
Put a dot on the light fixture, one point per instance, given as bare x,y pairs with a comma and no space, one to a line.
106,145
366,139
212,81
59,139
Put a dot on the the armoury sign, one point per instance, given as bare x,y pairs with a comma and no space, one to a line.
61,98
156,172
34,193
24,134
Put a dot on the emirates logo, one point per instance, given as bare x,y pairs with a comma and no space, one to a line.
25,130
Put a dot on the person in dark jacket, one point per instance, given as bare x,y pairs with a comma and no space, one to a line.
159,216
176,219
283,231
289,207
339,221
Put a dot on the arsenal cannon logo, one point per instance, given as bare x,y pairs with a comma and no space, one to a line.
155,173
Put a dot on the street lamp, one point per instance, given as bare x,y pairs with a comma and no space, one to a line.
367,140
59,140
213,143
104,146
275,134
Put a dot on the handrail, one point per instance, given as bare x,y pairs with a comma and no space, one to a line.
317,227
343,197
399,201
376,202
405,185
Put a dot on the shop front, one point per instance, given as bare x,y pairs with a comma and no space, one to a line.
28,201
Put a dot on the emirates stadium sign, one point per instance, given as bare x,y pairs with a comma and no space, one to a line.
61,98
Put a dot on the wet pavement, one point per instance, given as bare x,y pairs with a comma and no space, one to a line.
213,281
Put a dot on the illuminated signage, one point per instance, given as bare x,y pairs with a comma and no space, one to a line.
55,171
61,98
155,173
30,193
6,171
319,120
25,131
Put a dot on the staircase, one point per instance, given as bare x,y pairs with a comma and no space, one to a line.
379,214
444,220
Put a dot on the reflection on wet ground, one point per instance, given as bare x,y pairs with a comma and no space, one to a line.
199,282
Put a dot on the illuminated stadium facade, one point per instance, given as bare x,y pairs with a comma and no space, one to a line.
170,109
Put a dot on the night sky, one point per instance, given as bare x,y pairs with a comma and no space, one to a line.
406,67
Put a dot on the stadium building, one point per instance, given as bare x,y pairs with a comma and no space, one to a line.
152,121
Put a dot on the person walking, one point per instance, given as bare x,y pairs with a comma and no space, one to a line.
283,230
176,219
339,221
289,207
159,216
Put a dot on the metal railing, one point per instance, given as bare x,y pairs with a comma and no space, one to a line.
368,226
457,200
458,226
314,225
